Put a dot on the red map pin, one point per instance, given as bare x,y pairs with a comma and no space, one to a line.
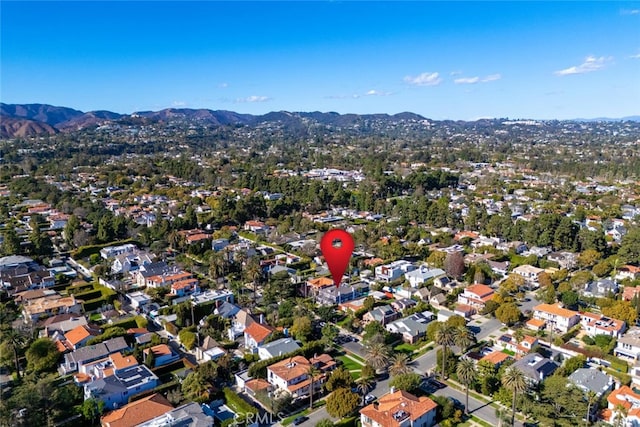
337,246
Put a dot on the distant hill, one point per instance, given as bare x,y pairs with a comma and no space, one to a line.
609,119
11,127
19,120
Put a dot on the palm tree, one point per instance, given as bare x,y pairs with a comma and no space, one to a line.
619,415
445,336
15,342
254,273
514,380
378,355
399,364
364,384
312,372
592,398
467,374
463,337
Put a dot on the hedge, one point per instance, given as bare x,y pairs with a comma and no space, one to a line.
89,295
126,324
94,304
77,289
236,403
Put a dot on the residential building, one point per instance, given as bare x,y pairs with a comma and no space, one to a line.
628,346
188,415
530,273
558,317
292,374
185,287
313,286
535,367
165,280
255,335
628,399
211,295
476,296
344,293
565,260
383,315
162,355
76,360
78,336
630,292
393,271
501,268
588,379
496,358
597,324
601,288
520,348
630,272
412,328
113,251
399,409
277,348
422,275
219,244
47,306
137,412
116,389
139,300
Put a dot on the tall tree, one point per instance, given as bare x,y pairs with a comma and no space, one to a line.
378,354
467,374
514,380
312,373
445,336
463,338
399,364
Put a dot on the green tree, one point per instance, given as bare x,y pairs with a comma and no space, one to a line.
187,338
13,343
325,422
341,403
399,364
445,336
467,374
630,246
91,409
407,382
621,310
508,313
194,387
339,378
312,373
378,354
368,371
42,355
11,242
329,334
589,258
302,328
364,384
150,359
463,338
514,380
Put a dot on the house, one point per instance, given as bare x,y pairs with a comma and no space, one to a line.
597,324
627,399
501,268
539,251
185,287
313,286
565,260
130,262
399,409
139,300
116,389
62,323
292,374
496,358
403,304
464,310
588,379
383,315
445,283
78,336
422,275
336,295
255,335
393,271
165,280
76,360
257,227
137,412
438,300
47,306
628,346
535,367
211,295
226,310
113,251
630,272
239,322
476,296
277,348
529,272
209,350
188,415
558,317
520,348
412,328
162,355
154,269
601,288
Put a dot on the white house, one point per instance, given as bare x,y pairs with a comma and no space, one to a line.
393,271
557,316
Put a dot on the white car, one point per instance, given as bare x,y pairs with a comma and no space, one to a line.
369,398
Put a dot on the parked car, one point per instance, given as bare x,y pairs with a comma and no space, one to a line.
456,403
300,420
369,398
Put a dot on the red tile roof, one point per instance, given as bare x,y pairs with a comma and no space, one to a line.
137,412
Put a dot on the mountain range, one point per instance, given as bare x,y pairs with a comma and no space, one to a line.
24,120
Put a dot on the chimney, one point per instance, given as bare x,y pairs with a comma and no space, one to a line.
376,405
392,390
262,319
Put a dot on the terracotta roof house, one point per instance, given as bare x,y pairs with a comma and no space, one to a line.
78,336
291,374
137,412
476,296
255,334
559,317
399,409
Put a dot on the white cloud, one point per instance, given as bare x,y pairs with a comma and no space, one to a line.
636,56
374,92
178,104
424,79
223,85
455,73
630,11
474,80
591,63
253,98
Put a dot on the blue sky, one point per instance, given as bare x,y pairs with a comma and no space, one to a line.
444,60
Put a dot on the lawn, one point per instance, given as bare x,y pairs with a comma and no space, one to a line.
350,364
409,348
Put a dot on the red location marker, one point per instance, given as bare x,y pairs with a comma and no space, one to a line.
337,246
